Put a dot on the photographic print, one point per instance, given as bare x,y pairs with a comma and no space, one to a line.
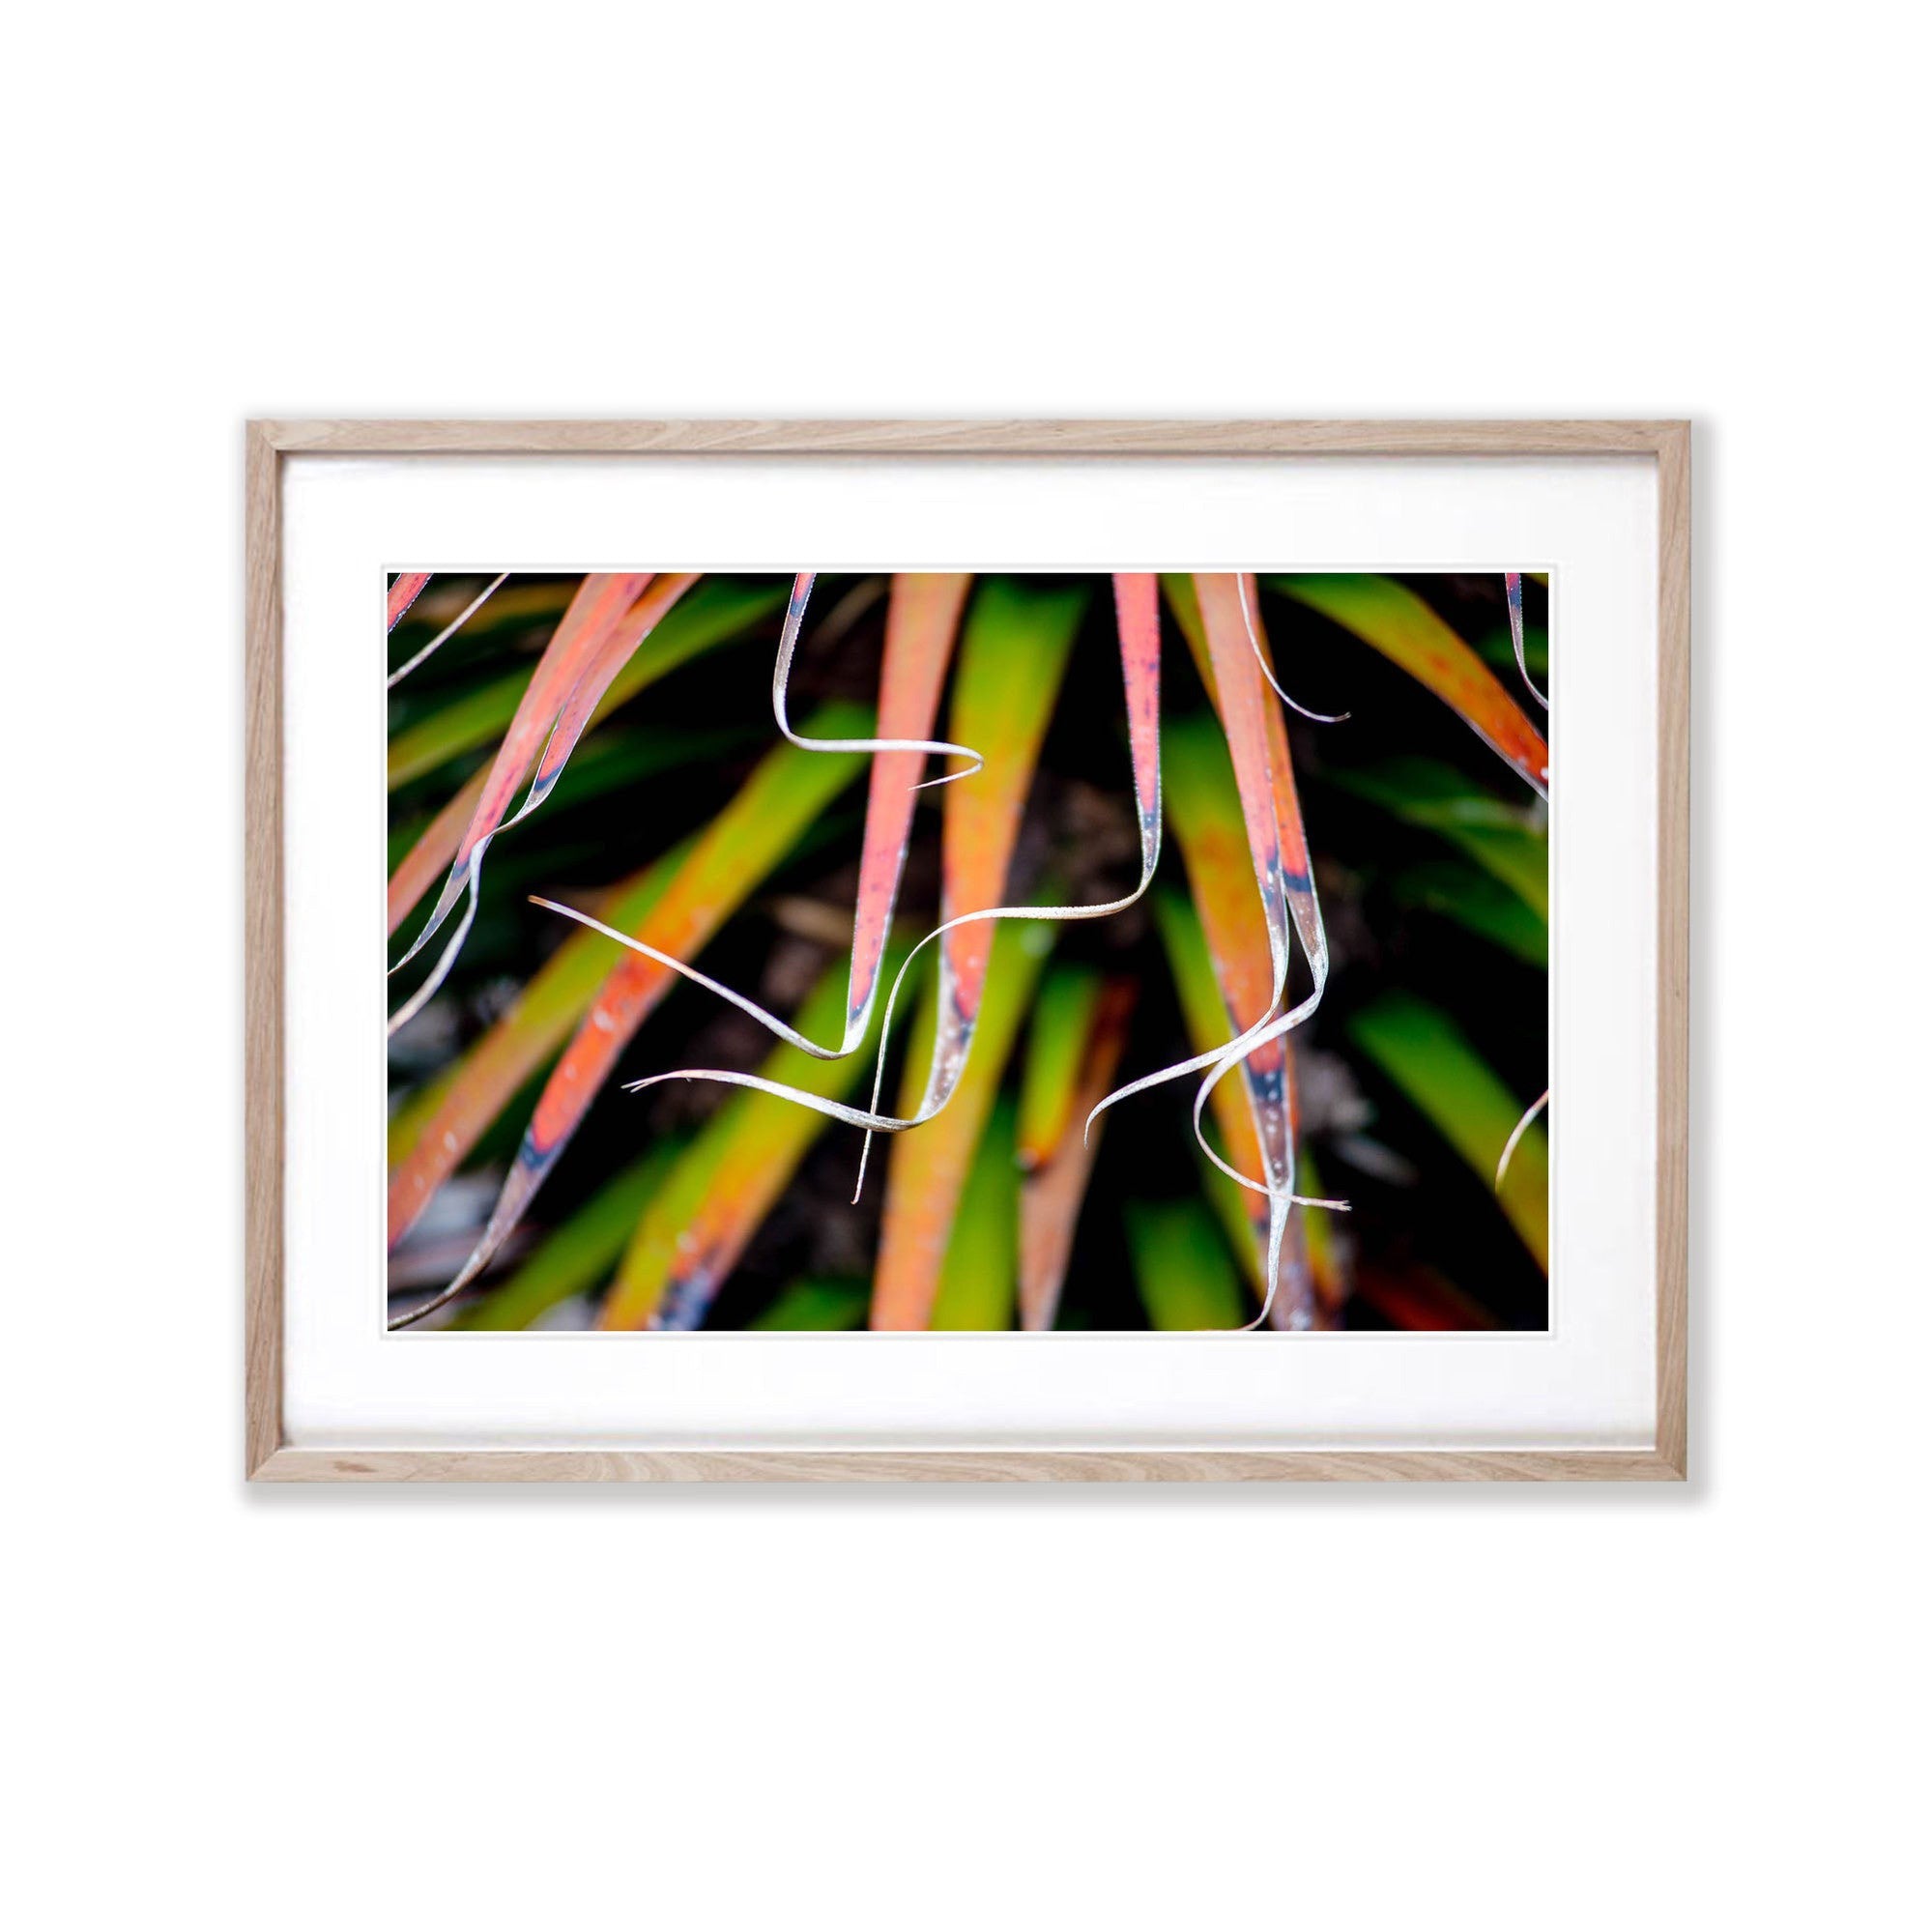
962,951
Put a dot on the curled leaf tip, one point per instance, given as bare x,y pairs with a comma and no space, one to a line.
1516,1134
1294,704
944,777
1250,618
1513,588
787,646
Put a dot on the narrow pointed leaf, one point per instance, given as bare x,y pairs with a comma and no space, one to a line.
922,620
1220,614
1137,605
1257,743
1428,1056
1056,1153
1226,930
1185,1276
1398,623
730,859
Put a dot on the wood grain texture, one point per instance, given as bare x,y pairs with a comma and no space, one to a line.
262,874
939,437
268,1459
945,1465
1673,946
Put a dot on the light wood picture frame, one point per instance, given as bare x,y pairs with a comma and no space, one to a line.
269,1454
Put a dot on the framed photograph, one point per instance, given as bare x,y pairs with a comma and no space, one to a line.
967,951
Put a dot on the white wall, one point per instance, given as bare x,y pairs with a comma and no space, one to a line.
1503,1708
